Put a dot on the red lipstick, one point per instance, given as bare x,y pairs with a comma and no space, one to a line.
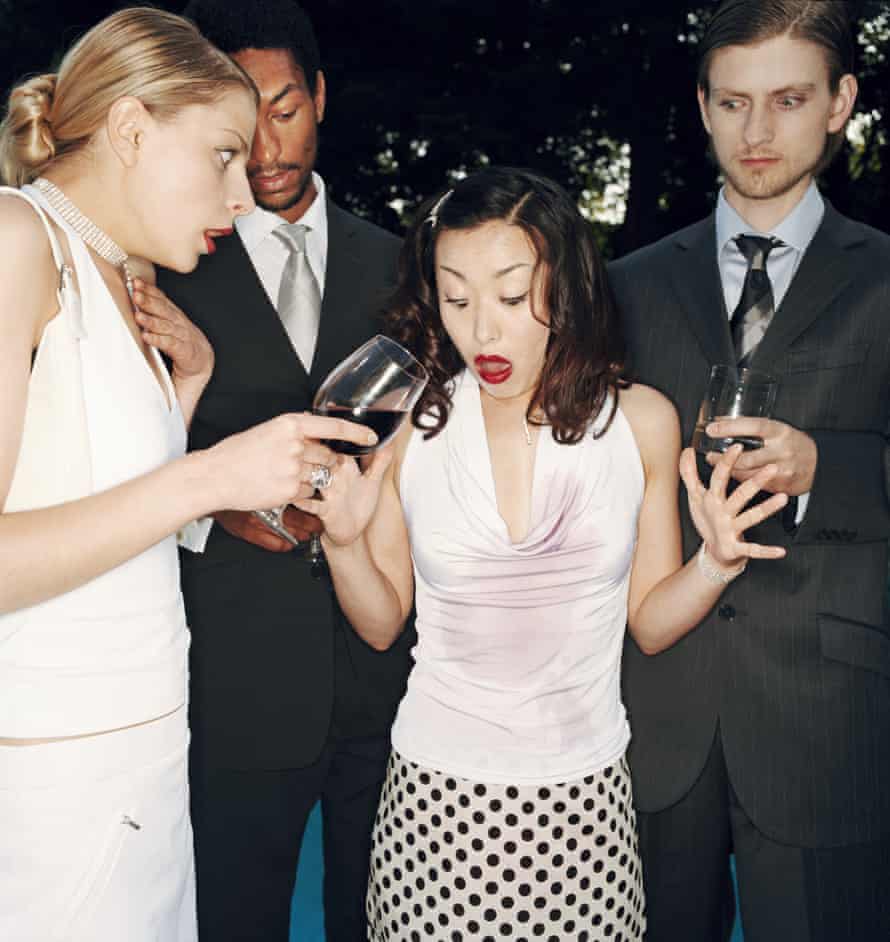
493,369
209,238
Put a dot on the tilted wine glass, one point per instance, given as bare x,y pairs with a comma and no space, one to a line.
377,385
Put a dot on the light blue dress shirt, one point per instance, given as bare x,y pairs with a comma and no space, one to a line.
796,230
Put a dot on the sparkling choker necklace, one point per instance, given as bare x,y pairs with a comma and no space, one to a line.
100,242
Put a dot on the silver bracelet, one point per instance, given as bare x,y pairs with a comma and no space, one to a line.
712,572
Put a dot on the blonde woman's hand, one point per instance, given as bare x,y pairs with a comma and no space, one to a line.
165,327
722,520
272,464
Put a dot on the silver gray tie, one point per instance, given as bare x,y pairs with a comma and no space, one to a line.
299,298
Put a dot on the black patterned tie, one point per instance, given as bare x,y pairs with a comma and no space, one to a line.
752,317
756,306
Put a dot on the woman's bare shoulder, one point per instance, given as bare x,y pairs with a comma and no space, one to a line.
653,420
646,404
27,268
21,230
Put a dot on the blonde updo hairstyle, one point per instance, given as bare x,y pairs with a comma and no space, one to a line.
157,57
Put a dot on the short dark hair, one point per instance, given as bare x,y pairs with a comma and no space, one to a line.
827,23
584,361
271,24
745,22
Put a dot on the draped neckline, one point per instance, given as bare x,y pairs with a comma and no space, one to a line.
556,475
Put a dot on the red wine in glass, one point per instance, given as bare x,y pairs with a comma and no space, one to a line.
385,422
377,385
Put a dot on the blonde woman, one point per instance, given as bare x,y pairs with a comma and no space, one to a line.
136,148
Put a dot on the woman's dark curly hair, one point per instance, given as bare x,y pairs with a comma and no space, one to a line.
584,361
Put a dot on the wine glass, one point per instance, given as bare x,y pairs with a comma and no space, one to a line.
377,385
733,391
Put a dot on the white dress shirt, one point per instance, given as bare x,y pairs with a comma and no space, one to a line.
796,230
268,256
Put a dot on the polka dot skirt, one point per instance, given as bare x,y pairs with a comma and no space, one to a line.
453,860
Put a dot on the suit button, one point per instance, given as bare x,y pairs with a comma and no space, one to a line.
726,612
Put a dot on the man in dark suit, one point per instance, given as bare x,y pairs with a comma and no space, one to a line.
288,705
766,731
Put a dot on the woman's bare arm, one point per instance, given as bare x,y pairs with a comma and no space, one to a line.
668,599
44,553
366,544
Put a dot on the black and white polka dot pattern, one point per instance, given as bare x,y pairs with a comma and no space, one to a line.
457,861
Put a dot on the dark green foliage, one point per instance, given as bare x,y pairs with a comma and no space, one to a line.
420,90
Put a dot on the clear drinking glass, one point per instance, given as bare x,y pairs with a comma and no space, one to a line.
732,392
376,385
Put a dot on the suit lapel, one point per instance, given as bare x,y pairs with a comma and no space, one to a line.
696,283
343,307
824,272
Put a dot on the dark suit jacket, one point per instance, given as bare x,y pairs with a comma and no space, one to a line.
269,643
794,661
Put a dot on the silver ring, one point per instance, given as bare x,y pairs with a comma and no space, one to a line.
321,477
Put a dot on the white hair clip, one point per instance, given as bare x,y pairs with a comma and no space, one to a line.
433,217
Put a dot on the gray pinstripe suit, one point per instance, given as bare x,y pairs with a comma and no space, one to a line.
794,662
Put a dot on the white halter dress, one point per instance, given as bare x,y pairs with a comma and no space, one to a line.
96,842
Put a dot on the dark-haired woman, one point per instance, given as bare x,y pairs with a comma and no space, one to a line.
537,494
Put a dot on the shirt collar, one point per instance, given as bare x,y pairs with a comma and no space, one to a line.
796,229
257,225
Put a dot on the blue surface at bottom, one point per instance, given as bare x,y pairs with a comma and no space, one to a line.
737,931
307,915
306,911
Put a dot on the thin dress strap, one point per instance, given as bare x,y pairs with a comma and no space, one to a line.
66,294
